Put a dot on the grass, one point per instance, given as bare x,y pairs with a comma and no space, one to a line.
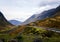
52,39
30,34
42,35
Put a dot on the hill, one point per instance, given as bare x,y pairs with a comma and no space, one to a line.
4,24
15,22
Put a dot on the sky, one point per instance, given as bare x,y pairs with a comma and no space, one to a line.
23,9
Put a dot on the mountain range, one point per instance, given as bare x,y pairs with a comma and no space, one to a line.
52,21
40,16
15,22
49,19
33,29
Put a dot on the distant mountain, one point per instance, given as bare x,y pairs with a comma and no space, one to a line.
15,22
53,21
3,22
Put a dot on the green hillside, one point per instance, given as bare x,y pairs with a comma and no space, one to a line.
32,34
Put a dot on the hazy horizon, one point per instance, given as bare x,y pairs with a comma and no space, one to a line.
23,9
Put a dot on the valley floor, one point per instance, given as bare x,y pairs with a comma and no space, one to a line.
30,34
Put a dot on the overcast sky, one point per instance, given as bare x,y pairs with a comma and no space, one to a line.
23,9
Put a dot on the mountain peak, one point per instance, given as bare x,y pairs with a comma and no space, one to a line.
3,21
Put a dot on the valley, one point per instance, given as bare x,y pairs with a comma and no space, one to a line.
38,28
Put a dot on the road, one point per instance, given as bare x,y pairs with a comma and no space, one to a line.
50,29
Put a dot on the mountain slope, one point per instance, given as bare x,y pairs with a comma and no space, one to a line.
40,16
52,21
15,22
31,19
3,22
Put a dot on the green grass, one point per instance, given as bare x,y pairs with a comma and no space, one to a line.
31,33
52,39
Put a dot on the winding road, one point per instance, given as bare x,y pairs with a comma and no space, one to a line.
50,29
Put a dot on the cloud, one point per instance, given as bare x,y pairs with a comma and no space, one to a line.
49,2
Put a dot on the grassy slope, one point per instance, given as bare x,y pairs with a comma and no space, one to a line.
31,33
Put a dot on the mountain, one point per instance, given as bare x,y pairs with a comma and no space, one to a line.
53,21
15,22
40,16
50,18
3,22
30,19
